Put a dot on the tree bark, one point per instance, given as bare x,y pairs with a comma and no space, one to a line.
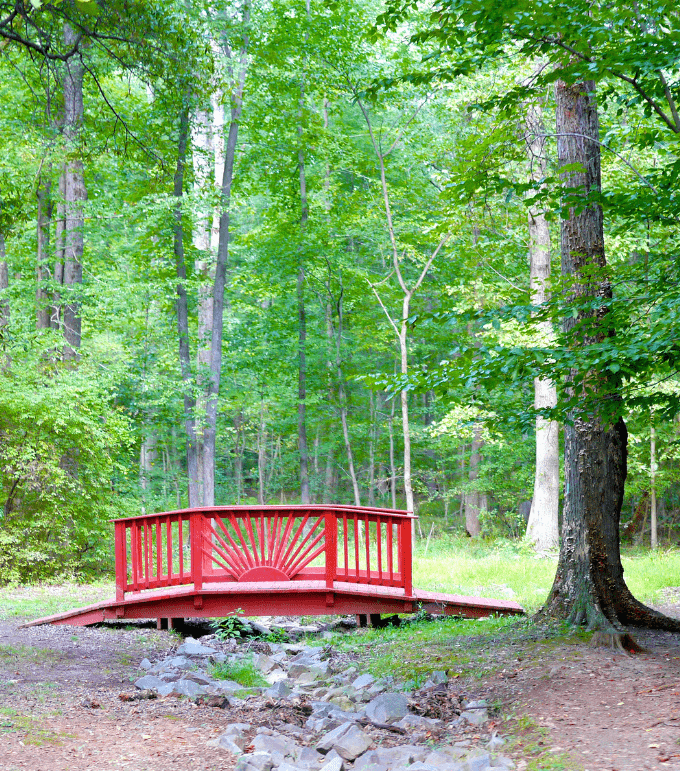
589,587
474,499
75,196
43,296
543,527
238,75
182,307
4,304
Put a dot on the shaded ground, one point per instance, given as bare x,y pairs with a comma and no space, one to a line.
568,705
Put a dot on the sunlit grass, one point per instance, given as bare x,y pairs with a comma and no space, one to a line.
509,570
46,599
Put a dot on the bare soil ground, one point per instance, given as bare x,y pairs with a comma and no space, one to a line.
567,705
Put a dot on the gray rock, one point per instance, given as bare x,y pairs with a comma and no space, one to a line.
502,762
402,755
477,761
191,647
277,746
254,761
438,759
387,708
260,628
289,767
149,682
145,664
166,689
420,766
439,677
307,678
348,740
417,721
475,716
187,688
280,690
199,677
370,761
227,687
264,663
170,677
178,662
336,764
344,702
309,758
495,742
318,724
231,745
363,681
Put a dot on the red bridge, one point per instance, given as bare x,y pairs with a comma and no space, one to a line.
268,560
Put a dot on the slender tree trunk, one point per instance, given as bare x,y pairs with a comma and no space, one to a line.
393,468
654,535
74,197
474,500
589,587
238,456
148,456
261,456
182,306
371,449
5,360
223,223
43,296
542,528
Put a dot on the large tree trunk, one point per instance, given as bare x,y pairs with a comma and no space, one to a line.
74,197
589,587
543,527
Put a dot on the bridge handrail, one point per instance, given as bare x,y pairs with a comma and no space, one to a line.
152,542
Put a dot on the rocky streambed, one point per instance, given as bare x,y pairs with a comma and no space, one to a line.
323,713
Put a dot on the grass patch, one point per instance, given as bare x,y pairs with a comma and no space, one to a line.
242,672
32,729
12,654
44,600
534,743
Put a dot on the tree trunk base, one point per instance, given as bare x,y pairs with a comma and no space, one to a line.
622,642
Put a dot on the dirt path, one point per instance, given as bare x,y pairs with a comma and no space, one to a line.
573,707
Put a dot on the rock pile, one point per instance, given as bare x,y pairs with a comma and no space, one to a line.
328,716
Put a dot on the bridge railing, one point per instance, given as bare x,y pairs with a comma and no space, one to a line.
264,543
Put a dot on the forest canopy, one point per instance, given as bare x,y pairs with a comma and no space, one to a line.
274,251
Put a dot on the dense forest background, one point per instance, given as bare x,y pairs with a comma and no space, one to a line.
366,204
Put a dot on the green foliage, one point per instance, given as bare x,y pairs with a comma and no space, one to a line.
229,628
242,672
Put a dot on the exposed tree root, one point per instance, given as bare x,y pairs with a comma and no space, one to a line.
622,642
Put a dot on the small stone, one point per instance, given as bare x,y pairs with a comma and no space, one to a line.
502,762
348,740
336,764
495,742
420,766
345,704
186,688
260,628
280,690
363,681
439,677
198,677
191,647
254,761
387,708
478,761
149,682
230,744
145,664
277,746
475,716
417,721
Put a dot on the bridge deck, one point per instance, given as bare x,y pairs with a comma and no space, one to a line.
265,561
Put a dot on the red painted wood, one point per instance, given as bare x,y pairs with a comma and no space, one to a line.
121,561
331,547
263,573
406,556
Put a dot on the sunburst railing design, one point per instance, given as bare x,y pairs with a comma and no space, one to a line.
262,546
346,544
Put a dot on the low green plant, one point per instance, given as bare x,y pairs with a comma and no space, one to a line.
277,636
229,628
242,672
32,730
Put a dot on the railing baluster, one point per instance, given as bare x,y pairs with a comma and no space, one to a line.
121,562
378,538
390,547
159,551
346,544
331,528
367,538
356,545
406,557
180,547
196,529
